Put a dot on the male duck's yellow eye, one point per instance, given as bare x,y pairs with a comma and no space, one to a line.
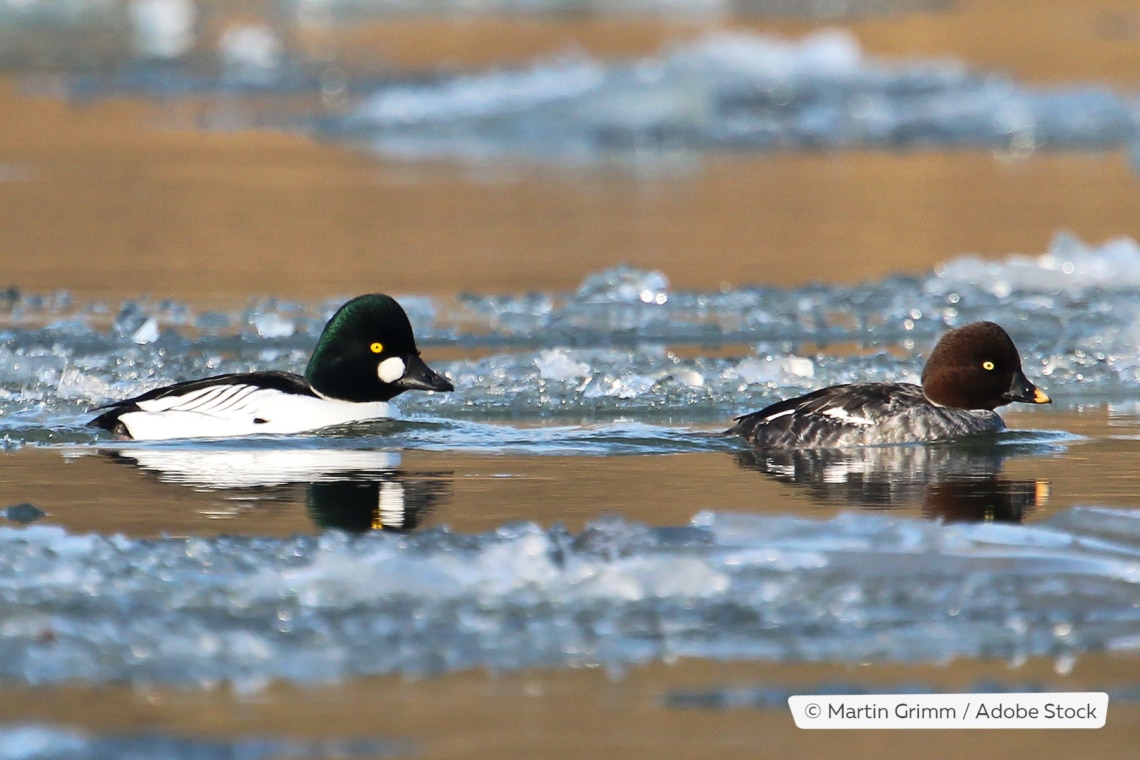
378,347
985,365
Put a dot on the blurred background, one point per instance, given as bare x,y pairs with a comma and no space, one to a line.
615,224
302,148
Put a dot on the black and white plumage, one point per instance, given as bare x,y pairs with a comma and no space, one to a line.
365,357
972,370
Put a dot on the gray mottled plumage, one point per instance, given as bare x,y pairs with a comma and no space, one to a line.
861,414
971,371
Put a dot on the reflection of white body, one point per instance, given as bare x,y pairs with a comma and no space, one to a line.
391,510
218,469
235,410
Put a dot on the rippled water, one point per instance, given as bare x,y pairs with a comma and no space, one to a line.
573,504
623,369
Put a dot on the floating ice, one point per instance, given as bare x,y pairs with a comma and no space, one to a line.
147,332
625,345
249,610
272,325
250,50
39,742
557,365
625,284
774,371
733,90
828,53
130,320
163,28
627,387
1070,264
476,96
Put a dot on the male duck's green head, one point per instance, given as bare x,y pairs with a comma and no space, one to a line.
367,352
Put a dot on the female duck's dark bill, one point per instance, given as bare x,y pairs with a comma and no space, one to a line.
1026,392
972,370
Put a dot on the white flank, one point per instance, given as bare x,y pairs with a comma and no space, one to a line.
225,411
391,370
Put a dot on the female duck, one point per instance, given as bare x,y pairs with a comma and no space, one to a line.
972,370
365,356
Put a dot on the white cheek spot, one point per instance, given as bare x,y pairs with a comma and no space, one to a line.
391,370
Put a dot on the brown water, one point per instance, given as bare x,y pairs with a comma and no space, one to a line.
586,713
119,197
669,710
142,491
111,211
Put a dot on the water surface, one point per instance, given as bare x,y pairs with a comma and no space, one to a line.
564,557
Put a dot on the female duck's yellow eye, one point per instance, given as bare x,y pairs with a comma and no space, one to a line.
378,347
985,365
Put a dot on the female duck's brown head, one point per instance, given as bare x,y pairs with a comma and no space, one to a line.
977,367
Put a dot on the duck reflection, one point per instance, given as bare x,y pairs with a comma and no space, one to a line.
952,483
396,502
344,489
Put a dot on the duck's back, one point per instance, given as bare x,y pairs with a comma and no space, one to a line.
860,414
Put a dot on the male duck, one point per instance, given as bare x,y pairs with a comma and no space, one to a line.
365,356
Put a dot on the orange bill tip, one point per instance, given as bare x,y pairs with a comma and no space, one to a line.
1041,397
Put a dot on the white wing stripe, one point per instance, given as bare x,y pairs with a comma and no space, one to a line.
247,403
187,401
842,415
212,396
231,400
213,401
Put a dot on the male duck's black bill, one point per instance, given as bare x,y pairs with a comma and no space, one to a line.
420,377
1025,391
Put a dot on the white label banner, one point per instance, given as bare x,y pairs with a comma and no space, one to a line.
1029,710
